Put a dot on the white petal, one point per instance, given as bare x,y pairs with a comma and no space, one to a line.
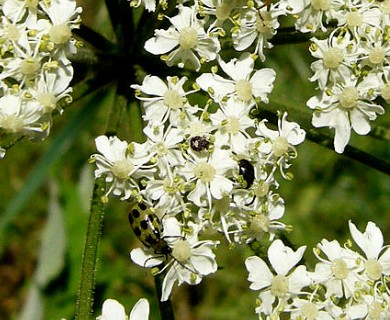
140,310
168,283
298,279
219,85
359,122
152,85
145,259
371,241
283,258
259,274
220,186
342,132
262,82
113,310
384,260
163,42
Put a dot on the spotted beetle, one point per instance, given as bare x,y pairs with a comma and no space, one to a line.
247,171
148,228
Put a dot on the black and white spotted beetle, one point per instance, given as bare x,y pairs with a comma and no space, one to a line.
148,228
199,143
247,171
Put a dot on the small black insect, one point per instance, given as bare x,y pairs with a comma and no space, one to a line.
247,171
199,143
148,228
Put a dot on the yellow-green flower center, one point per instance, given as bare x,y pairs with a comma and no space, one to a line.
29,66
309,311
333,57
47,100
320,4
374,310
261,190
340,269
181,250
188,38
205,172
259,224
172,99
279,285
280,146
264,23
12,123
122,168
244,90
354,19
348,97
373,269
60,34
377,55
232,125
385,92
12,32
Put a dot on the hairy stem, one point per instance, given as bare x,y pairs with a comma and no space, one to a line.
88,269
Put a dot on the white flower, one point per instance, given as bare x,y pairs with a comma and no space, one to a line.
22,116
119,166
309,309
188,36
377,262
312,12
261,221
335,56
279,145
52,87
210,176
346,106
190,258
358,16
287,283
164,101
232,121
256,26
339,273
244,84
64,16
113,310
164,145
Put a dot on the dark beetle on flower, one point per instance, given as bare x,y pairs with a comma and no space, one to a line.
247,171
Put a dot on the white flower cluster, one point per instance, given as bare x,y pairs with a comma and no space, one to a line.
201,170
345,284
353,64
35,72
207,166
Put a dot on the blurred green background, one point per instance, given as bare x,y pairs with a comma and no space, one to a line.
46,190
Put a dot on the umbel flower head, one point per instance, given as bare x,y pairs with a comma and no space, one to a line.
207,164
35,71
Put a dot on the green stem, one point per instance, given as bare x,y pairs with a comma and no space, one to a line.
165,307
88,269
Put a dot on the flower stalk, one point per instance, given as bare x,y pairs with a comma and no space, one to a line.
88,269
